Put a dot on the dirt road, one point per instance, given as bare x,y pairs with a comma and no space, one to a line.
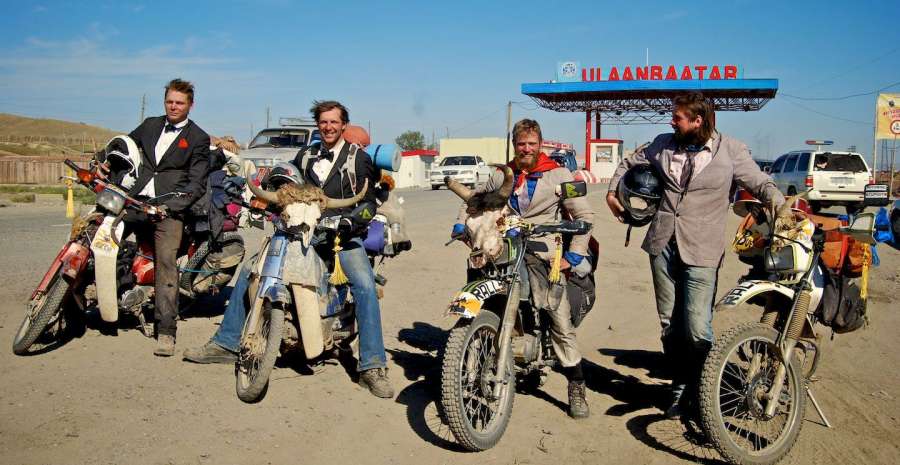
106,399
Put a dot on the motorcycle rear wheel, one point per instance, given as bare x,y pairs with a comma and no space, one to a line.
194,266
258,354
40,313
476,420
731,399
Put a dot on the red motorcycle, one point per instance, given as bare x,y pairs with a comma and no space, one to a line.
96,269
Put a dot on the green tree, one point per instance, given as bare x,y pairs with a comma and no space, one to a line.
411,140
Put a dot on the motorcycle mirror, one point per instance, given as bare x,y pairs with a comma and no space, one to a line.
862,228
571,189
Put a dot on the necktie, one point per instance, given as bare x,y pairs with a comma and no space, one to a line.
687,171
170,128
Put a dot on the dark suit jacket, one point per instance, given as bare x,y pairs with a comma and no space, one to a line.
337,184
183,168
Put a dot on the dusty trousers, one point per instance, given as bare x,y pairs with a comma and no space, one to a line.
551,298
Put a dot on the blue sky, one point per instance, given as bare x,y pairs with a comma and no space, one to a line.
440,66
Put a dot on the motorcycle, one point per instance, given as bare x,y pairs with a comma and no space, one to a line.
498,338
96,269
294,308
755,380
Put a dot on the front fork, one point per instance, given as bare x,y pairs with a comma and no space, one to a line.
507,326
787,342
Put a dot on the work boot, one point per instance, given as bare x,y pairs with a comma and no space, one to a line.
165,346
210,353
578,406
376,380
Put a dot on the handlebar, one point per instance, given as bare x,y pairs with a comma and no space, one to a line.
575,227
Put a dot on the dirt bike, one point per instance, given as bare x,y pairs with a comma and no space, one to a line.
293,306
90,272
755,380
497,338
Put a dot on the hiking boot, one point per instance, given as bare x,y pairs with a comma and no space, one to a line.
210,353
578,406
376,381
165,346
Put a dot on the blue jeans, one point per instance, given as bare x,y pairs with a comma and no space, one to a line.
684,301
356,266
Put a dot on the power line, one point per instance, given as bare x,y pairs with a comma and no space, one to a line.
845,97
860,65
479,119
830,116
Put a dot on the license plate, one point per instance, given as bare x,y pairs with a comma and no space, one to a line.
841,181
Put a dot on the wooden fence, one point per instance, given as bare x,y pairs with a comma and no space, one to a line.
25,171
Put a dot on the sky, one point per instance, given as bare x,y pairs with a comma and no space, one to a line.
442,67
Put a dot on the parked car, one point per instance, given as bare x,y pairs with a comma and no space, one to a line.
467,169
275,145
565,158
833,178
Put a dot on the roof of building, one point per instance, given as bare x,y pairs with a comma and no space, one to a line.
648,101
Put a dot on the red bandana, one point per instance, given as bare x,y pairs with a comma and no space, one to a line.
544,163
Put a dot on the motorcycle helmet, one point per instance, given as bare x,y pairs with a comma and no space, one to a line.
639,191
124,158
281,173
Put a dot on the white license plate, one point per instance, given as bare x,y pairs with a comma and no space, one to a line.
841,181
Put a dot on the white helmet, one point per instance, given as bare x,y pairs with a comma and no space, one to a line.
124,153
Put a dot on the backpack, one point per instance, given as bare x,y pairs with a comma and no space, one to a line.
842,308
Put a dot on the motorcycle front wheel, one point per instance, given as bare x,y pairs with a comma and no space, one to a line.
42,312
477,418
738,374
259,349
197,276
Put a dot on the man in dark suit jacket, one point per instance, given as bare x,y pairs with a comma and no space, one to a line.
329,168
174,167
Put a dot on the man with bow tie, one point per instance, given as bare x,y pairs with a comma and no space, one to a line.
174,166
534,199
698,167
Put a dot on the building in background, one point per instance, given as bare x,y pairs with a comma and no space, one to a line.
490,149
414,168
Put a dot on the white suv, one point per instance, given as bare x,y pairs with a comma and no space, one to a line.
833,178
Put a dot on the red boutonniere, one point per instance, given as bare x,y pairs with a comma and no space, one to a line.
182,143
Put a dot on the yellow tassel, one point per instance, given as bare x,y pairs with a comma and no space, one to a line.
864,279
557,262
70,203
337,276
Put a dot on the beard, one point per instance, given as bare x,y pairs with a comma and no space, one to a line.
523,164
692,137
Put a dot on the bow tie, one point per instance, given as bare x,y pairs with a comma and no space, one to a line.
170,128
326,154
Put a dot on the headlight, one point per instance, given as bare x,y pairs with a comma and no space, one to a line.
468,172
111,200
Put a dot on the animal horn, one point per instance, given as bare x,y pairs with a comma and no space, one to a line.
249,170
507,187
462,191
785,208
342,203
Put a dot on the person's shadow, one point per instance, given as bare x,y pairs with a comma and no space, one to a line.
423,410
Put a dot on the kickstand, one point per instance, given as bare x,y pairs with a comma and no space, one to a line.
147,327
818,409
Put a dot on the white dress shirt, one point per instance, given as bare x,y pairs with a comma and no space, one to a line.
701,159
323,165
162,146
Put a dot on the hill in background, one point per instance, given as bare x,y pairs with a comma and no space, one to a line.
41,137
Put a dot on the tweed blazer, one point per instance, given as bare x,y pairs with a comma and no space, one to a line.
697,216
544,206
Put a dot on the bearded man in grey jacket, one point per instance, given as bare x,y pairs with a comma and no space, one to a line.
699,169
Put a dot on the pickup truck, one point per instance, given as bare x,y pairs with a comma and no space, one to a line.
470,170
278,144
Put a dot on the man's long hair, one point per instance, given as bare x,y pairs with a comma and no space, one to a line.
694,104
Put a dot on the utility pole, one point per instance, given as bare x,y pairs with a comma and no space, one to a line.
433,147
251,134
143,107
369,128
508,127
267,116
448,131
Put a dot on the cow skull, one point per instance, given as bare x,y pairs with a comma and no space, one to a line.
487,212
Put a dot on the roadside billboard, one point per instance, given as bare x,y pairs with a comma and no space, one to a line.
887,111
